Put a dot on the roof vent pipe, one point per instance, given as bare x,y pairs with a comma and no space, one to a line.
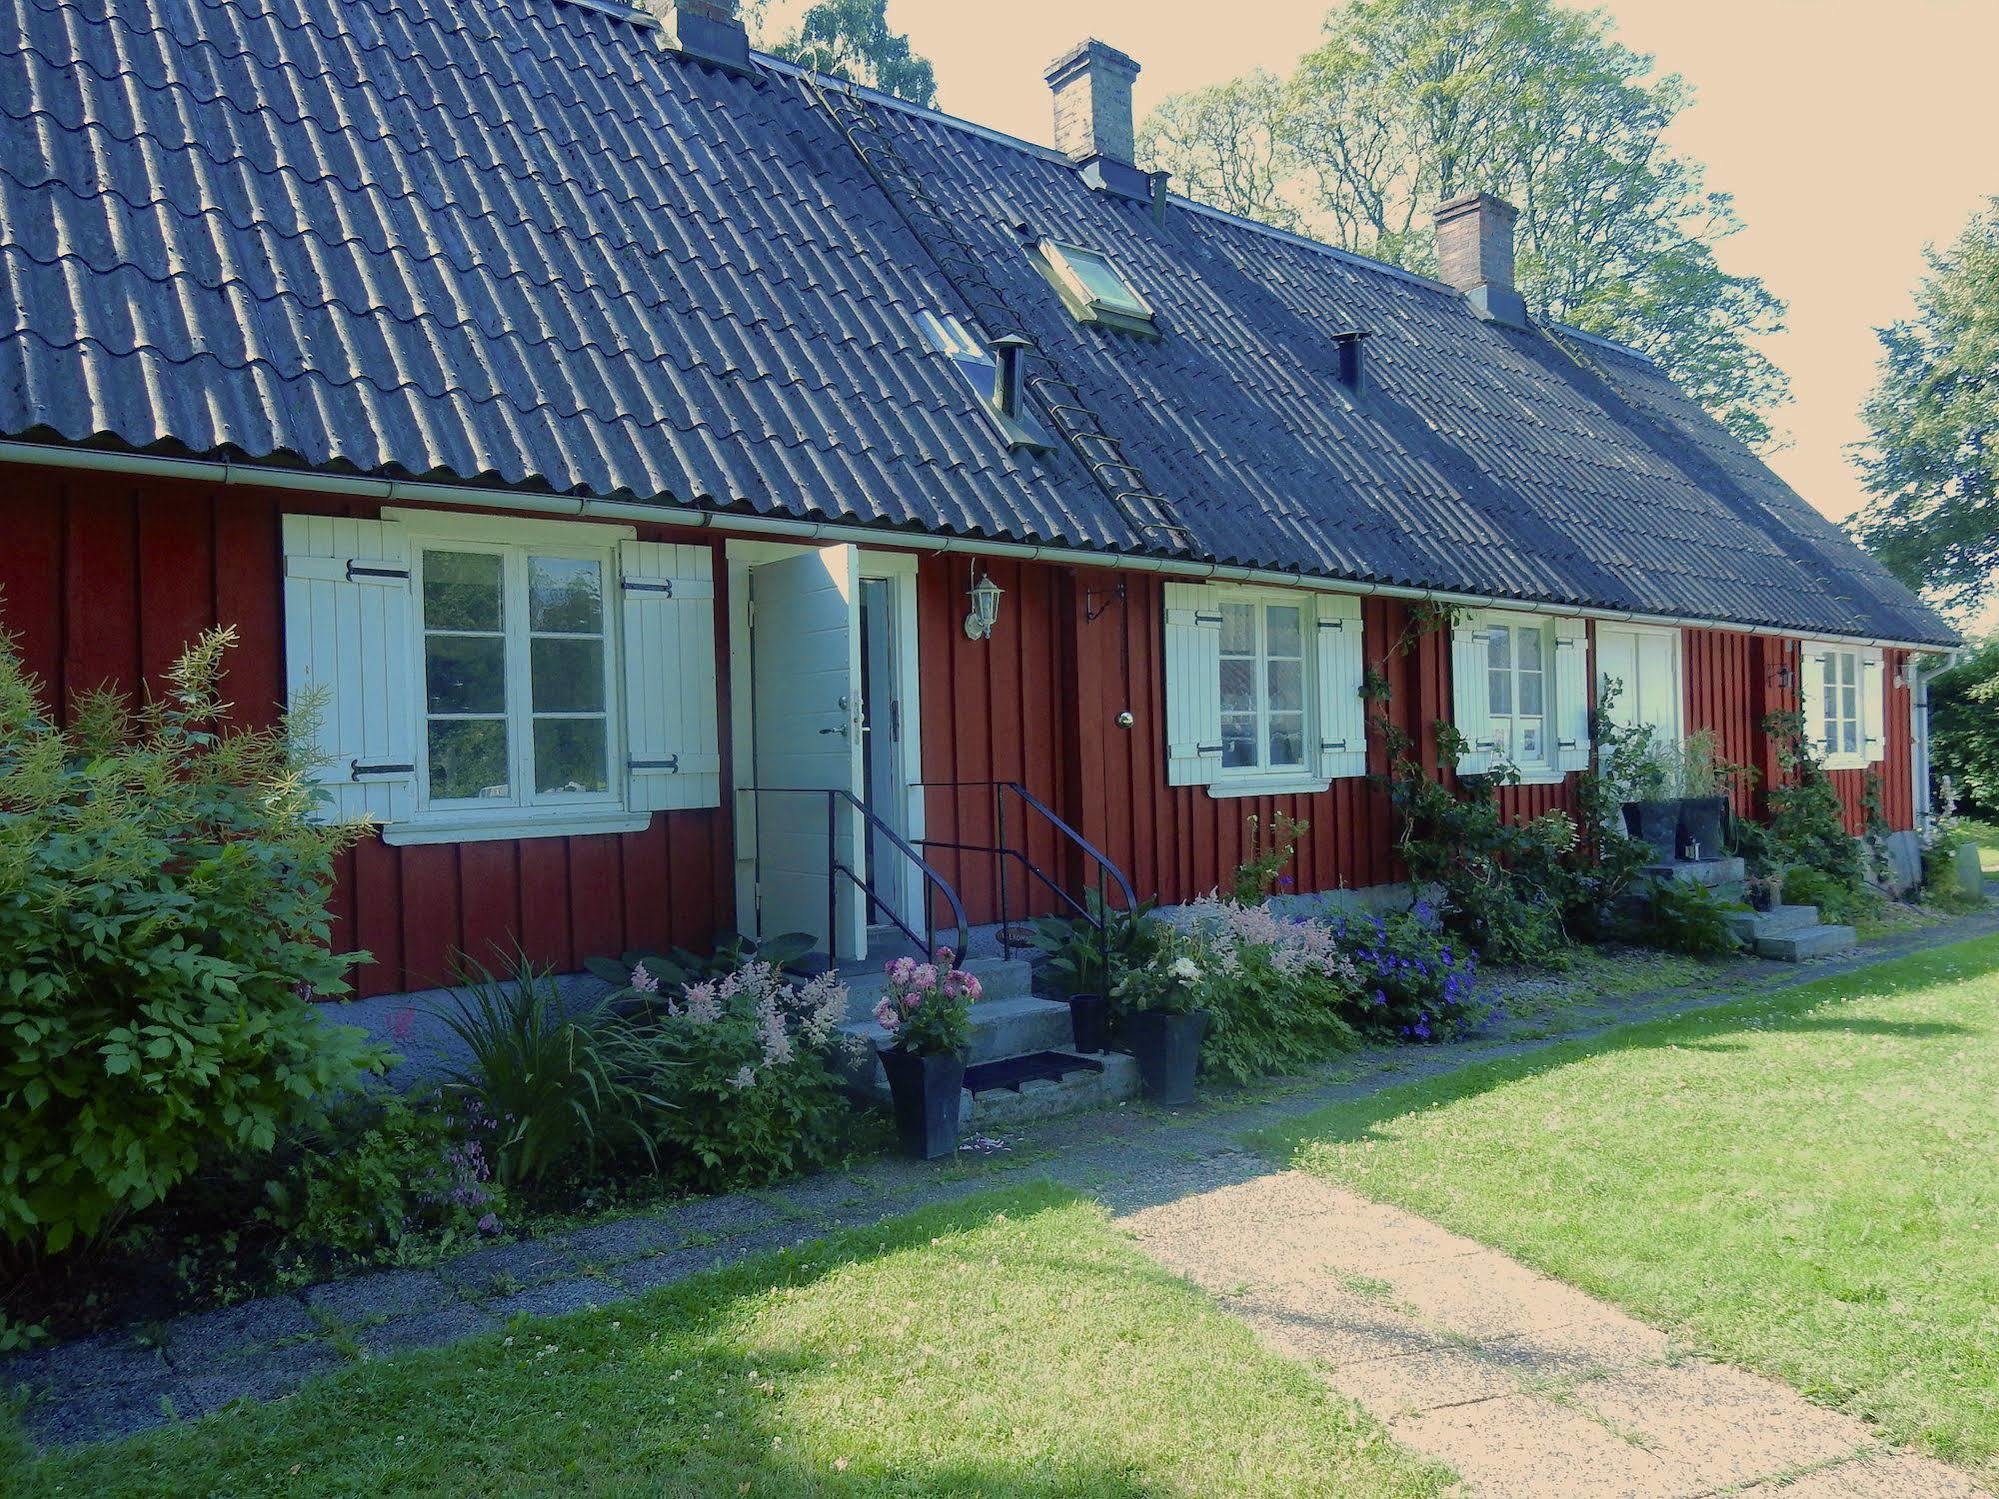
1093,120
1008,351
1475,255
707,31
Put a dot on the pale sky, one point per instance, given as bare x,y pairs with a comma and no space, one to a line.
1851,133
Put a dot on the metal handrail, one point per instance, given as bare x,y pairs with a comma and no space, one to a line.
836,866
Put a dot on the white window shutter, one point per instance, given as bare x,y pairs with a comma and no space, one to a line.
1193,686
1811,697
673,757
1342,668
1571,706
1873,713
1471,701
350,633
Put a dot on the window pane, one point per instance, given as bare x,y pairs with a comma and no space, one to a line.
1499,648
569,755
1102,283
1849,703
1500,695
1529,646
1287,739
1530,694
461,591
468,757
1530,741
1238,687
1287,686
565,596
1849,668
1502,736
1286,630
568,675
1238,629
1238,739
465,673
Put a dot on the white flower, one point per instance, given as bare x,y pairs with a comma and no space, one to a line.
1183,968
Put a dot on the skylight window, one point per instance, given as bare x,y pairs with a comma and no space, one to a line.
1093,288
979,368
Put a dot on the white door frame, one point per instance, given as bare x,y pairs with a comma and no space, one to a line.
900,568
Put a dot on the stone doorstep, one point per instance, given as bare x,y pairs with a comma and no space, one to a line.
1807,943
1775,922
999,978
1710,872
1006,1027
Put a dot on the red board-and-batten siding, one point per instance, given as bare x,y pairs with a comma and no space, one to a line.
104,578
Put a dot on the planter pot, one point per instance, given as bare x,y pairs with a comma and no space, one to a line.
1700,826
1090,1019
1656,823
924,1091
1167,1049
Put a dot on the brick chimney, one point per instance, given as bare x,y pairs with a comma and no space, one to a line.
1093,121
1475,254
708,31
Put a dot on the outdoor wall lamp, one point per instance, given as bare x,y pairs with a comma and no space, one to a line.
985,596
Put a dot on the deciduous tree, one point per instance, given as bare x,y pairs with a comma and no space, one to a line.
852,39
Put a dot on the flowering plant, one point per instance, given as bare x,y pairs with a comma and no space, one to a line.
1173,981
1417,984
1281,991
927,1006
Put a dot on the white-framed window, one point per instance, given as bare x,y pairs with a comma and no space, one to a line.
1263,684
517,657
1520,693
1262,688
1093,288
484,677
1841,696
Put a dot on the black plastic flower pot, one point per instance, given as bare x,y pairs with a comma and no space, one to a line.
1167,1049
1701,825
1090,1019
1656,823
924,1091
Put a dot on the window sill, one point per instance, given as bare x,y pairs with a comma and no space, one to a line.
1269,786
552,824
1846,762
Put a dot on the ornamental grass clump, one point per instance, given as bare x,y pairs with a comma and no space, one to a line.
1417,982
1277,989
927,1007
163,932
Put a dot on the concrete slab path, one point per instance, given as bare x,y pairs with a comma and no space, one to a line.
1525,1385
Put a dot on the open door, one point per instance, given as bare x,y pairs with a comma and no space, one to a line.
806,716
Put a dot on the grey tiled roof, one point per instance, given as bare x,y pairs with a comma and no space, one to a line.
521,243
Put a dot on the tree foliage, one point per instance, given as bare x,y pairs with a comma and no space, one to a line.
1931,460
852,39
1408,103
1964,729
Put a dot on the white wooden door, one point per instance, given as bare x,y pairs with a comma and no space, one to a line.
1646,661
805,720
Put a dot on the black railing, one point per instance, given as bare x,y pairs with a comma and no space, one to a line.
1093,863
838,869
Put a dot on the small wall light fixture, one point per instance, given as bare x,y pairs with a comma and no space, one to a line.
985,596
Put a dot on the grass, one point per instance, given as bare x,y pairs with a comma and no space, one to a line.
1015,1344
1594,975
1807,1184
1986,836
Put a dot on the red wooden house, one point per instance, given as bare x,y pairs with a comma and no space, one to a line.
680,473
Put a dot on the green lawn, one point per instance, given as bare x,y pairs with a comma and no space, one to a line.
1986,835
1808,1184
1013,1345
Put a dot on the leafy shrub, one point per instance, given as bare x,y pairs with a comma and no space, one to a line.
1073,952
1270,851
1943,838
386,1182
1807,820
555,1090
1684,917
1964,728
1414,982
927,1007
752,1096
1837,901
163,929
1276,990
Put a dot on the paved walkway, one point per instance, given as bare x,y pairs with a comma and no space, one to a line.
1138,1162
1522,1384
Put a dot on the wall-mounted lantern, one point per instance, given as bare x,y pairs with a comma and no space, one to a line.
985,596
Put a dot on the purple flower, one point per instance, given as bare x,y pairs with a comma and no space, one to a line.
489,1224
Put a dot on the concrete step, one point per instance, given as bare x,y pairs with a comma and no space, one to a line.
1807,943
998,1107
999,978
1000,1028
1776,922
1710,872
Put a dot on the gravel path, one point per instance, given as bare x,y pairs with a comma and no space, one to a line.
1137,1161
1524,1385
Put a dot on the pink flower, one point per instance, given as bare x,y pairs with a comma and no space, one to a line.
901,969
887,1016
923,977
642,981
945,955
973,987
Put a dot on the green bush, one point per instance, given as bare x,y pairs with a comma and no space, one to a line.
1684,917
1414,983
1072,952
1838,902
554,1091
1277,992
163,931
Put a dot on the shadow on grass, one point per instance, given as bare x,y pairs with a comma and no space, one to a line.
721,1385
1809,1009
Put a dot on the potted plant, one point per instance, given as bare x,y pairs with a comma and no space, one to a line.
1163,1021
926,1011
1703,801
1648,777
1082,960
